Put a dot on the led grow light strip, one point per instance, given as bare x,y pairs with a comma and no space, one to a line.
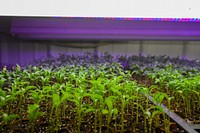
145,19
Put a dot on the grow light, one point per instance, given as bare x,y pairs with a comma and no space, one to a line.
104,28
141,19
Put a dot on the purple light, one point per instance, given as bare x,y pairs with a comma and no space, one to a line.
107,37
142,19
106,28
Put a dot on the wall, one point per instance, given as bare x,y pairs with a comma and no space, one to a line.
193,50
55,50
15,51
121,48
22,52
182,49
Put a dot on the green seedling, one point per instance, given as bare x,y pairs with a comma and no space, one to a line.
78,99
110,111
33,115
9,119
97,103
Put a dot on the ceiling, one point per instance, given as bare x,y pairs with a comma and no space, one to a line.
96,29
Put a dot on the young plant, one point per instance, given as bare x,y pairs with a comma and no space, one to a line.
66,95
56,99
125,100
110,111
2,98
9,119
158,98
78,99
33,115
157,111
97,103
6,101
37,96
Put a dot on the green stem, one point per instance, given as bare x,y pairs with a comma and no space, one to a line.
122,118
95,122
166,123
100,123
150,125
57,119
79,121
137,115
32,128
145,124
108,125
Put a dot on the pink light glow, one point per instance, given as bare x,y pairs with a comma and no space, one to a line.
143,19
106,28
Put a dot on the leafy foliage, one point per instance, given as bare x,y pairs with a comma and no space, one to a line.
92,91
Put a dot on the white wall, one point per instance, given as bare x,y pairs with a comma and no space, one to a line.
172,48
22,52
182,49
56,50
121,48
14,51
193,50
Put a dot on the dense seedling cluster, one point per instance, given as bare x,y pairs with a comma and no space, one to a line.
89,93
178,79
